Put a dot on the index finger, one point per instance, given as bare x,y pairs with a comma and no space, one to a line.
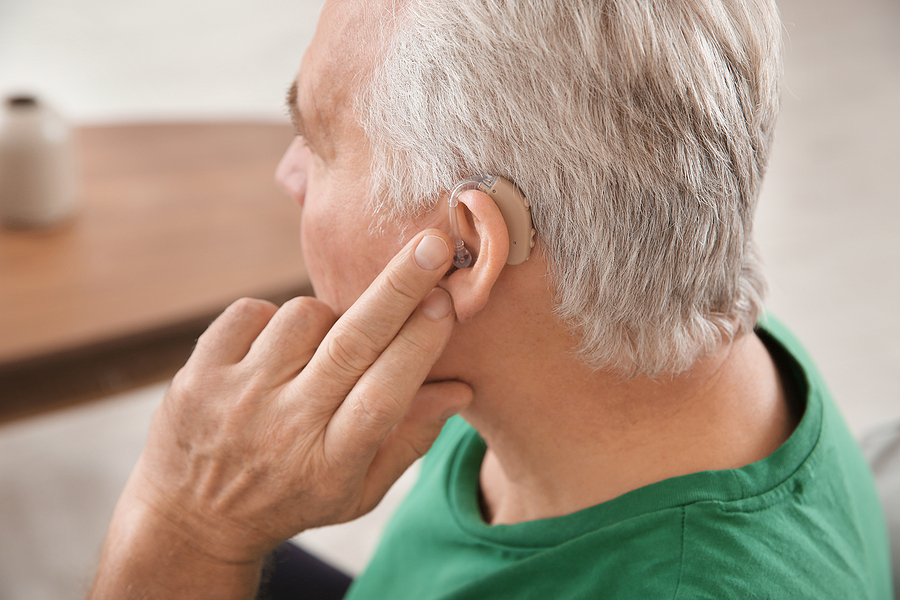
366,329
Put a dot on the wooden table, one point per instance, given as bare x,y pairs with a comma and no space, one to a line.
177,221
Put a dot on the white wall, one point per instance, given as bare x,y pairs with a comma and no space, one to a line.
103,60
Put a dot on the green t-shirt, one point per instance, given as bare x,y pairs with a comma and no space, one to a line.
803,523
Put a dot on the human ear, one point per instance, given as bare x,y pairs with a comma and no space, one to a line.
484,232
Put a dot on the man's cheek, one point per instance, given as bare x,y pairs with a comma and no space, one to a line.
317,247
332,266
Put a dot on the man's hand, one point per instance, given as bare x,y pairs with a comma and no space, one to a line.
283,420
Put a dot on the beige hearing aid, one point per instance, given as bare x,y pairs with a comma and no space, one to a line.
513,206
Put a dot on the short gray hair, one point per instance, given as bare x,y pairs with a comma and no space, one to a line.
638,129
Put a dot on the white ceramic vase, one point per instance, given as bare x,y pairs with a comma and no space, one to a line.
38,179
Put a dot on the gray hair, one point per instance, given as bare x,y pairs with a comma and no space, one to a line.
638,129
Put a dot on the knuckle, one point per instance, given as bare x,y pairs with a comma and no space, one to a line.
376,409
250,305
419,445
184,380
251,309
403,284
419,342
308,311
352,350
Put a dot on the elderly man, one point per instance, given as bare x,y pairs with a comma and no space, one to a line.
629,427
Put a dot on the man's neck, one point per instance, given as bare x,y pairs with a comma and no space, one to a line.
564,438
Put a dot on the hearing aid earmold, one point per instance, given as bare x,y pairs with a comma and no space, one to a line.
513,206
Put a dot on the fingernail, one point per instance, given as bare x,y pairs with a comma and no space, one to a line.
437,305
431,252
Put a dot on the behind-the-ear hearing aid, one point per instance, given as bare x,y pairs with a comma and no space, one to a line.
513,206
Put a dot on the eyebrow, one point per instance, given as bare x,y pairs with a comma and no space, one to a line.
294,110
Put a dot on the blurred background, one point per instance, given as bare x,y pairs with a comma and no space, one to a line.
103,61
827,225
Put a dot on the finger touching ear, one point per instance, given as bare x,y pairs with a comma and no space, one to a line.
485,234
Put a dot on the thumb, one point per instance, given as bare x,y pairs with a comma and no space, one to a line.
413,435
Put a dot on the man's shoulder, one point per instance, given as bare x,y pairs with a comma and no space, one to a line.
805,522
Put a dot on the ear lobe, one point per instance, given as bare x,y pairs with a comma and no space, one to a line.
485,235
